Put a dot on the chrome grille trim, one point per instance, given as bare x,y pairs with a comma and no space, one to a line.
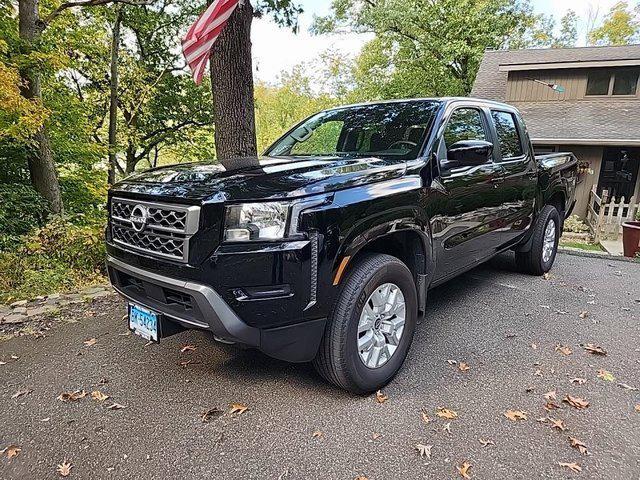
168,229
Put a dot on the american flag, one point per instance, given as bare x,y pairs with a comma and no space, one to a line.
197,44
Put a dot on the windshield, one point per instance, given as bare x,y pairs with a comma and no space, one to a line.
395,130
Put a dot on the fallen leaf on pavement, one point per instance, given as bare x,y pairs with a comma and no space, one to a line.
582,448
446,413
463,367
452,362
447,428
486,443
606,375
188,348
90,342
185,363
579,381
238,409
515,415
424,450
594,349
563,349
627,387
550,395
576,402
551,406
557,424
425,416
99,396
381,397
637,408
11,451
547,276
538,373
317,434
574,467
376,435
22,392
115,406
361,477
207,415
64,469
463,470
72,396
583,314
534,346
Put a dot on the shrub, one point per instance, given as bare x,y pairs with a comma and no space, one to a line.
575,224
21,210
60,256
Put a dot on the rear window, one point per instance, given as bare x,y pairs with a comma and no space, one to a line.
508,135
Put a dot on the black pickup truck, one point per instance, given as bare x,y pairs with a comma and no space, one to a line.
325,248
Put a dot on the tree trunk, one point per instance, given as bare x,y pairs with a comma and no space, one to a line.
232,86
40,159
113,100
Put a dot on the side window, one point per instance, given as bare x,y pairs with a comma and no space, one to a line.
508,136
464,124
322,139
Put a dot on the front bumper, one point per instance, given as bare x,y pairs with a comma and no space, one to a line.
194,305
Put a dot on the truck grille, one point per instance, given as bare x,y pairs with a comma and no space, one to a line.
159,229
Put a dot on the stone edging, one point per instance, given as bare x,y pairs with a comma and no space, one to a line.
23,310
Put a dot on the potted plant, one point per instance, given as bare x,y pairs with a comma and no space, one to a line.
631,237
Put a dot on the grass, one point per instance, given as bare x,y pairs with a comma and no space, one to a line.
591,247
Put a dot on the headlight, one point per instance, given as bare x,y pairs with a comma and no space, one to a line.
256,221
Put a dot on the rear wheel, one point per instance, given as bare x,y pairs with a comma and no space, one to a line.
370,330
544,244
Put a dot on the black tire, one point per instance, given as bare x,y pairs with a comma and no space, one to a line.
532,261
338,359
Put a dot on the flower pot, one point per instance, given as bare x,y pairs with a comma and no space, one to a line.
631,238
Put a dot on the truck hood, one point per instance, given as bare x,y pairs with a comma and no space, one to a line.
259,178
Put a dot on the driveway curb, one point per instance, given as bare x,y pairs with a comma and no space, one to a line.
605,256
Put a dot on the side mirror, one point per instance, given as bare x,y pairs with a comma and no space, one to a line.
468,153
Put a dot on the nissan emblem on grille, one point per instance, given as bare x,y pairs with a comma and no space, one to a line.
139,217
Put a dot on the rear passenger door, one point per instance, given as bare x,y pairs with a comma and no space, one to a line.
517,189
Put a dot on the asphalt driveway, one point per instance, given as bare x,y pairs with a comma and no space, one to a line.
521,337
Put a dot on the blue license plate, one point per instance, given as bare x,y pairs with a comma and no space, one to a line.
143,322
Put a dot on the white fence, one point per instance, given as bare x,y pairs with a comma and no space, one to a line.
605,216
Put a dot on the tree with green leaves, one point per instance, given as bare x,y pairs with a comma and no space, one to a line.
568,31
621,26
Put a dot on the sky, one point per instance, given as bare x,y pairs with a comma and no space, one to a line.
277,49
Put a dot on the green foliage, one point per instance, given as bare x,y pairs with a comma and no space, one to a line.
575,224
620,27
60,256
21,209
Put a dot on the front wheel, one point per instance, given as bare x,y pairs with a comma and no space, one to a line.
371,327
544,244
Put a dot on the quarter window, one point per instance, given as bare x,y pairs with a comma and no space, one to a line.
464,124
508,135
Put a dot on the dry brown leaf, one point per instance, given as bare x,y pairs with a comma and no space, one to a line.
551,406
11,451
237,409
576,402
463,470
563,349
424,450
486,443
637,408
583,314
582,448
574,467
515,415
91,342
64,469
425,417
594,349
606,375
381,397
317,434
20,393
546,276
538,373
72,396
550,395
115,406
579,381
376,435
557,424
361,477
207,415
446,413
463,367
188,348
99,396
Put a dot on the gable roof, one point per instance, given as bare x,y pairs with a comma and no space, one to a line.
601,120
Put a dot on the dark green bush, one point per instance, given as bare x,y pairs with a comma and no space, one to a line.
21,210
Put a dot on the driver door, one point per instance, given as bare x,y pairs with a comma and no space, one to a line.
466,216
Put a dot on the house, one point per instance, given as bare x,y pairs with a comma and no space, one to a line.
585,100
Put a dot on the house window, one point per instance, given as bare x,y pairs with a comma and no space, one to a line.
625,82
617,82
